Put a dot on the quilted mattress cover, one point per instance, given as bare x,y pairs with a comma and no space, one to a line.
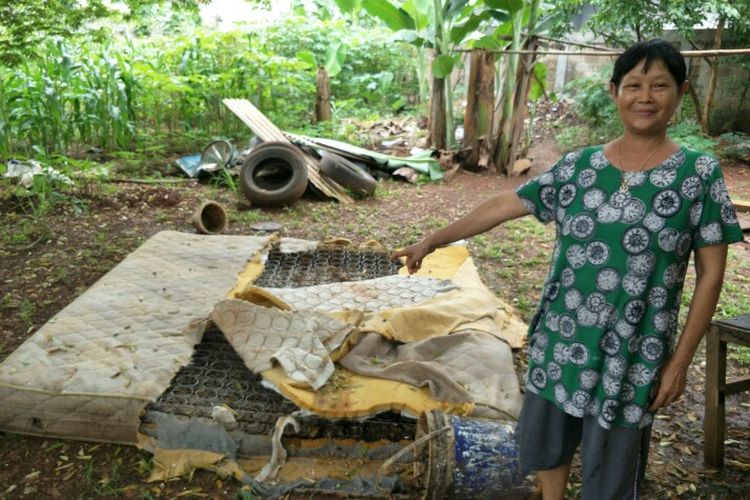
89,372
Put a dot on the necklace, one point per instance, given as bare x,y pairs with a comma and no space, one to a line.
625,182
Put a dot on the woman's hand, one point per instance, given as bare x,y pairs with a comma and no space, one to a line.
414,255
671,383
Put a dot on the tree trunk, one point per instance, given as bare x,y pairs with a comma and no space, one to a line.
502,146
480,101
694,94
323,97
525,74
713,79
437,125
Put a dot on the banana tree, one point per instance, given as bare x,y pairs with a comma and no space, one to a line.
440,25
328,68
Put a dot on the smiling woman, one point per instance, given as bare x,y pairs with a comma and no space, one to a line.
628,214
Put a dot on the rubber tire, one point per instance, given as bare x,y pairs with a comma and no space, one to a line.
347,174
274,174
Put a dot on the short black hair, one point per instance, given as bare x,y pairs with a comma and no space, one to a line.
650,50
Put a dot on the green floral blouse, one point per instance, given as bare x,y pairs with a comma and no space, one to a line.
609,308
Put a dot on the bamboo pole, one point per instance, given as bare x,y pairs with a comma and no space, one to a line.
685,53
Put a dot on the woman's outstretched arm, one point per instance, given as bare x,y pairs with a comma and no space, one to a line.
496,210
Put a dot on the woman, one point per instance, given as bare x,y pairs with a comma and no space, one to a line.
628,214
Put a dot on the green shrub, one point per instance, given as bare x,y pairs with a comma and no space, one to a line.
594,105
735,146
572,138
689,134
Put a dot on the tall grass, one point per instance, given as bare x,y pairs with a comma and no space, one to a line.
127,94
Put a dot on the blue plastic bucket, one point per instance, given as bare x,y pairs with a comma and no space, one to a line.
471,458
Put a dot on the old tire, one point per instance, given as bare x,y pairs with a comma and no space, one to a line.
347,174
274,174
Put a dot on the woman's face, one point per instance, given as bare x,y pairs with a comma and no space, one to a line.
647,101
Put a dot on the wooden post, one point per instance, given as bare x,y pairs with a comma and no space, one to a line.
525,74
437,126
480,99
713,421
323,96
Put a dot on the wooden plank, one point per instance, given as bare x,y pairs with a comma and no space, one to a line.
267,131
741,205
741,384
713,422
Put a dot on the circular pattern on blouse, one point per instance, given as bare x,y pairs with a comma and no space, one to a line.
552,321
653,222
624,329
652,348
609,410
616,366
634,311
586,317
607,279
593,198
598,160
657,297
554,372
579,354
608,214
565,170
582,226
547,195
628,392
561,393
588,378
639,374
711,232
573,298
576,256
663,177
610,343
668,239
719,193
538,377
728,214
567,195
567,277
611,385
620,199
633,211
636,240
667,203
597,253
634,285
632,414
567,329
641,264
596,302
587,178
705,166
684,244
691,187
634,179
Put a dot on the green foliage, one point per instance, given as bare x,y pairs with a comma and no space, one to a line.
594,105
689,134
735,146
165,94
572,137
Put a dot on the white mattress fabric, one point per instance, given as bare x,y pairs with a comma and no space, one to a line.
90,370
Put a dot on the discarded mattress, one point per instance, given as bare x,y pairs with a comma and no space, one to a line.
90,370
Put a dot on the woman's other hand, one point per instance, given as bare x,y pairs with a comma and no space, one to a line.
414,255
671,384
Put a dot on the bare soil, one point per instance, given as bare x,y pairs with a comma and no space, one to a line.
49,260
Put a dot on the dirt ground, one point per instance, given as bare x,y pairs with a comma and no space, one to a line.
50,260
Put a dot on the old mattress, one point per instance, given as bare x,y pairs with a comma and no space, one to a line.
93,367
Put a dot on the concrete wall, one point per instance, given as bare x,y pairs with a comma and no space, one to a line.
732,78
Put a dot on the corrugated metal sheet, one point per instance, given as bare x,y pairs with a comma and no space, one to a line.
267,131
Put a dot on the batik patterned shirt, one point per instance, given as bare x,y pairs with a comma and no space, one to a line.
608,313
